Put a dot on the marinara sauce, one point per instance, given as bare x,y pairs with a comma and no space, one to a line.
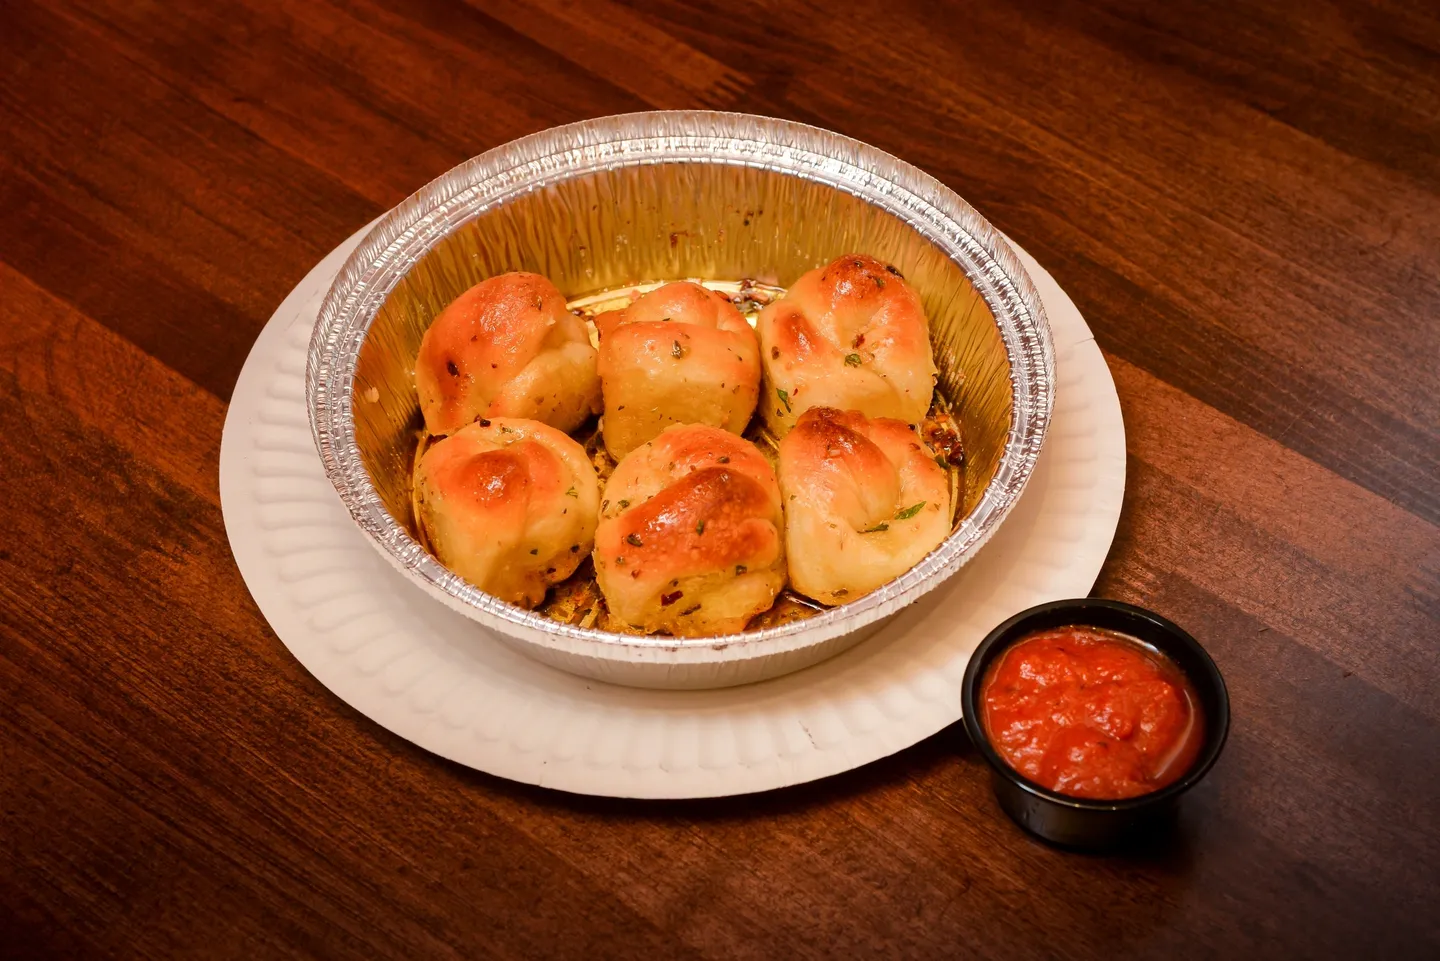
1091,713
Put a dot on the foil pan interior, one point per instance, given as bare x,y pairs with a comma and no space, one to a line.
675,221
675,195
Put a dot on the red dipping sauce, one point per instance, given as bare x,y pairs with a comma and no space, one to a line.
1091,713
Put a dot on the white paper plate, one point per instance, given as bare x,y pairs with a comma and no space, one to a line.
435,678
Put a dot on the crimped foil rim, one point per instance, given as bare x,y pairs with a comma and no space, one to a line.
403,236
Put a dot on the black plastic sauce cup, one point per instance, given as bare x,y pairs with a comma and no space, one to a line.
1083,822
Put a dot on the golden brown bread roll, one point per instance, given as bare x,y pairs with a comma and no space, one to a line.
681,354
510,505
865,500
507,347
850,335
689,539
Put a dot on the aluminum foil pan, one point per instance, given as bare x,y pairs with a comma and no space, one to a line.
669,195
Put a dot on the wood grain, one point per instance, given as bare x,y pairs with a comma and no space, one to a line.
1244,201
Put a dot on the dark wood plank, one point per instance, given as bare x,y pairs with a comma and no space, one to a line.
1244,200
1271,294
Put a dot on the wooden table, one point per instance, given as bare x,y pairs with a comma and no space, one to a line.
1245,204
